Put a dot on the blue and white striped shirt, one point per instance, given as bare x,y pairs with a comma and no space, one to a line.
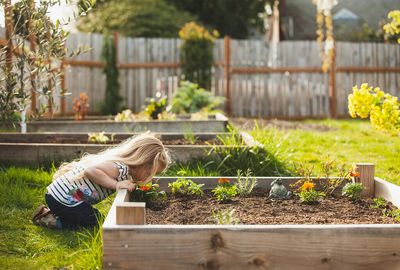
72,193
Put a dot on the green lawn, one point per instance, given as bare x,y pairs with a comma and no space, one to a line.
348,141
25,246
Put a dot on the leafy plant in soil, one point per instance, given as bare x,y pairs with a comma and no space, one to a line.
225,217
155,107
378,203
245,183
309,195
352,191
185,187
148,193
225,191
98,137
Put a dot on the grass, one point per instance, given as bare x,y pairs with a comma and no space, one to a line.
347,142
25,246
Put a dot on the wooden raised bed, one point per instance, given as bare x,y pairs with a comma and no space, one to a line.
129,244
217,123
32,149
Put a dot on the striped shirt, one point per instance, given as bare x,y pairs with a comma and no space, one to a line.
72,193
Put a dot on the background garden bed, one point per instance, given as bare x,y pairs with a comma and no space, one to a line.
14,152
217,123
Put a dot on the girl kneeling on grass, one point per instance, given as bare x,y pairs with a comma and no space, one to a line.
78,185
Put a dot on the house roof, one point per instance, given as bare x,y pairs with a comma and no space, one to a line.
303,13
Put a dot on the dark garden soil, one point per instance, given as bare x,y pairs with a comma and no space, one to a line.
258,209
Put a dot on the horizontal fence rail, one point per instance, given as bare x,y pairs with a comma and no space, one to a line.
258,79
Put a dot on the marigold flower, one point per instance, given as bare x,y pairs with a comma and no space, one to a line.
145,188
354,174
223,181
307,186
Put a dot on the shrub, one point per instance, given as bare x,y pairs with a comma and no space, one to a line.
245,183
382,109
197,53
190,98
352,190
225,191
225,217
112,98
186,187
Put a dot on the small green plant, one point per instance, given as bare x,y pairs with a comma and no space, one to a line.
124,116
225,191
186,187
190,137
245,183
98,137
155,107
352,190
225,217
308,194
190,98
378,203
148,193
393,213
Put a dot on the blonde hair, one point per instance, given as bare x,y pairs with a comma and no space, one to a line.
144,149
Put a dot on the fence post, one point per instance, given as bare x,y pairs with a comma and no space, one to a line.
116,48
8,15
32,76
227,79
332,83
62,85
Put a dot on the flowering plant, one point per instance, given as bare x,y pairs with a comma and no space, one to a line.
148,193
381,108
308,194
81,106
225,190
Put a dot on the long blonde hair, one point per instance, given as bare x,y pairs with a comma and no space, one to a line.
143,149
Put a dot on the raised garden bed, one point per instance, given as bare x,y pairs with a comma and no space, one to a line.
264,246
39,149
216,123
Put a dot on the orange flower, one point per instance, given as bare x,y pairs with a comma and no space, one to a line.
223,181
354,174
307,186
145,188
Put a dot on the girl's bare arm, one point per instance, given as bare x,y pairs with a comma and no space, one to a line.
105,174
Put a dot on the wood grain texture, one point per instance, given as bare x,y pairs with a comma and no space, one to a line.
253,247
367,171
130,213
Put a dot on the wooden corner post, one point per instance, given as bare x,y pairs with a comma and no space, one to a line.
366,178
131,213
227,80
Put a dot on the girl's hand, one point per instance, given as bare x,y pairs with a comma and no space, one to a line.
128,184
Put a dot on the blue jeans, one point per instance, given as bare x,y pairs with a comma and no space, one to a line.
76,217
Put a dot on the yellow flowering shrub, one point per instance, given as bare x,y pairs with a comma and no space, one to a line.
382,109
393,27
193,31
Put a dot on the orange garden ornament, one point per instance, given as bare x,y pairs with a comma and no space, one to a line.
325,37
81,106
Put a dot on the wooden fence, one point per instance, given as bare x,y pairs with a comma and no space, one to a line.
284,80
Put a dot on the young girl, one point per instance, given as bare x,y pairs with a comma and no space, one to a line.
78,185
